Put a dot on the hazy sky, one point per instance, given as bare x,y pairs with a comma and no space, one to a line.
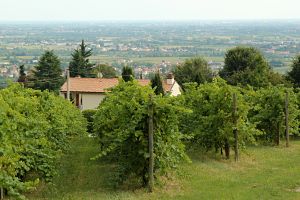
147,9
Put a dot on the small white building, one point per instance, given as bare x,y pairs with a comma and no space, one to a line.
87,93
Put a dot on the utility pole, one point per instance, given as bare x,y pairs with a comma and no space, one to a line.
235,131
68,84
150,132
287,137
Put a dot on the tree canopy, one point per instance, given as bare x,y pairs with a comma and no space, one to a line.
47,75
80,64
294,74
105,71
245,65
193,70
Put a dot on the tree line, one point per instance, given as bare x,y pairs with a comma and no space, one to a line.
243,66
47,74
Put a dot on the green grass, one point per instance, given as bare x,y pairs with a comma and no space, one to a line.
262,173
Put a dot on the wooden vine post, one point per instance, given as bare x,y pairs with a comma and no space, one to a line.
1,193
150,132
235,131
287,119
277,136
1,189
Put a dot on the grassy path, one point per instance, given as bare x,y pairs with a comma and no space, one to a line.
263,173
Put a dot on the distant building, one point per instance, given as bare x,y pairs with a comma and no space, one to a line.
215,66
88,93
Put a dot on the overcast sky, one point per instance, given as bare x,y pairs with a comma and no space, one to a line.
95,10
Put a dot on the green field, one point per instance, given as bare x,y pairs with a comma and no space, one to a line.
262,173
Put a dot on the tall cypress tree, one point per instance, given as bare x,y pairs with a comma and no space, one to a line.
127,73
156,82
80,64
47,74
22,75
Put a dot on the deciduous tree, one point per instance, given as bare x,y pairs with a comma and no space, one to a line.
193,70
294,74
246,66
106,71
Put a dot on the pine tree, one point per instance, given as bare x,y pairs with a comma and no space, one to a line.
127,74
80,64
156,82
47,74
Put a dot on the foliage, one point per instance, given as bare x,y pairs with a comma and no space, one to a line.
47,74
80,64
35,128
121,123
127,73
211,123
275,78
193,70
245,65
106,71
89,116
268,108
294,74
156,84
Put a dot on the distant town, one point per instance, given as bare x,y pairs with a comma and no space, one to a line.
147,47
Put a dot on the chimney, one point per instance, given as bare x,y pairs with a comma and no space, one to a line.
170,79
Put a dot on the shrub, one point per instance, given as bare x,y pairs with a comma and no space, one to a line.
89,116
121,122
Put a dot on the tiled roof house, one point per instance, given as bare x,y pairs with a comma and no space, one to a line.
87,93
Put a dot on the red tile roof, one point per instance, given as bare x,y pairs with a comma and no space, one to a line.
100,85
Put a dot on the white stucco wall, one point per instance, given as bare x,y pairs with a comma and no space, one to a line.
91,100
175,91
62,94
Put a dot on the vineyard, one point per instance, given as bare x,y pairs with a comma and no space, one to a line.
35,130
211,118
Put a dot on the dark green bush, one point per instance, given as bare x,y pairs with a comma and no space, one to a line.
89,115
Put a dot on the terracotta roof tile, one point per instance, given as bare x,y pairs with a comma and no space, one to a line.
95,85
